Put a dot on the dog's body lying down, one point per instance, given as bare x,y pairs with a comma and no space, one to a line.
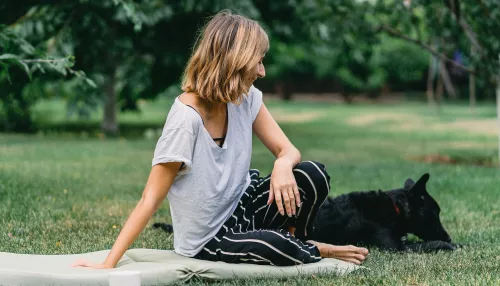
380,219
384,219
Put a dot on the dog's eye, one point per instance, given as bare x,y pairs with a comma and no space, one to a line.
422,197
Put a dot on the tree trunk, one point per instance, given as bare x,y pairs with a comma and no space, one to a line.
472,92
498,113
16,106
282,90
348,98
109,124
448,85
430,82
439,89
17,115
472,87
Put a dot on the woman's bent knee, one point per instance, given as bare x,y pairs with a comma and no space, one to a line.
317,175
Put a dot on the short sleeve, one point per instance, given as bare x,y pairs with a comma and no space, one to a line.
255,102
175,145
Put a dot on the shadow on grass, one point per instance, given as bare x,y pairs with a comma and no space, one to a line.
455,159
93,129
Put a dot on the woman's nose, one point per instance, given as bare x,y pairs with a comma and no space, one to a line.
262,72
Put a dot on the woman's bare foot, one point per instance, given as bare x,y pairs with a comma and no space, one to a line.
349,253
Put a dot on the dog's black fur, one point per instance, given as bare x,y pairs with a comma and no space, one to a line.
380,219
384,219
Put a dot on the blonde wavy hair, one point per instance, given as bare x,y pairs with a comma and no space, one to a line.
226,51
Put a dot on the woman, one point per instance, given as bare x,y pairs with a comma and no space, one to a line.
221,210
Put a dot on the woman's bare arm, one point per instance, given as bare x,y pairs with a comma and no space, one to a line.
283,188
159,182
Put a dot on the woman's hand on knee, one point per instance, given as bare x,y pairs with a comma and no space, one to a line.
283,188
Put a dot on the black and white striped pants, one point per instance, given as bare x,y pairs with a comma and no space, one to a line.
257,233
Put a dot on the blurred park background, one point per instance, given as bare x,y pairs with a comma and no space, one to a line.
378,90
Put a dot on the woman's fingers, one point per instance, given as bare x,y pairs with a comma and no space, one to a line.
271,195
279,201
360,257
82,262
352,257
360,250
356,256
352,260
285,198
293,201
352,250
297,194
349,253
286,201
85,263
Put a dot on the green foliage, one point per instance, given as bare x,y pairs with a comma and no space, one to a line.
349,29
284,59
18,56
138,49
404,63
466,24
15,49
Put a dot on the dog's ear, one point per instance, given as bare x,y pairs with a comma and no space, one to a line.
419,186
409,183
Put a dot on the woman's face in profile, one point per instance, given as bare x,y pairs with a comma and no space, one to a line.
257,72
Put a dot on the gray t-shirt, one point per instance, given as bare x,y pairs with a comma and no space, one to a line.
209,186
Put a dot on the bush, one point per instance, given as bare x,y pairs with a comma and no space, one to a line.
405,64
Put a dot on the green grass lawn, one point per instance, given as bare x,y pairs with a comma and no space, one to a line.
71,192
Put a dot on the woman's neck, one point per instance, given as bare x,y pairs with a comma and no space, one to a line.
211,109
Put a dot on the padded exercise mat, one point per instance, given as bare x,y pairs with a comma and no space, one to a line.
156,267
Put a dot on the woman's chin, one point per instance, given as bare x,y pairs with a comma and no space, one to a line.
247,88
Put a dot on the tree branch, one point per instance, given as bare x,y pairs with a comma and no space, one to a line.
454,7
41,61
470,34
398,34
486,12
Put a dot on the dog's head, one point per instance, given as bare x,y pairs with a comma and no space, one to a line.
424,212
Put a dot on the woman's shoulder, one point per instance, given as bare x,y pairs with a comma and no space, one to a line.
183,116
253,101
254,95
187,98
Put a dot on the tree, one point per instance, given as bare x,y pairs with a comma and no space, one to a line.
470,26
476,21
130,49
135,49
18,60
459,24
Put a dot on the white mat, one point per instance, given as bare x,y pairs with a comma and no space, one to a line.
156,267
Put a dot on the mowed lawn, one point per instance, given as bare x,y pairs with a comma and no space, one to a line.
71,192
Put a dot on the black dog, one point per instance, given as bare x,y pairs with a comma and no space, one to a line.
384,219
380,219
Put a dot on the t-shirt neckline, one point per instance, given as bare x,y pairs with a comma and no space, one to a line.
207,134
